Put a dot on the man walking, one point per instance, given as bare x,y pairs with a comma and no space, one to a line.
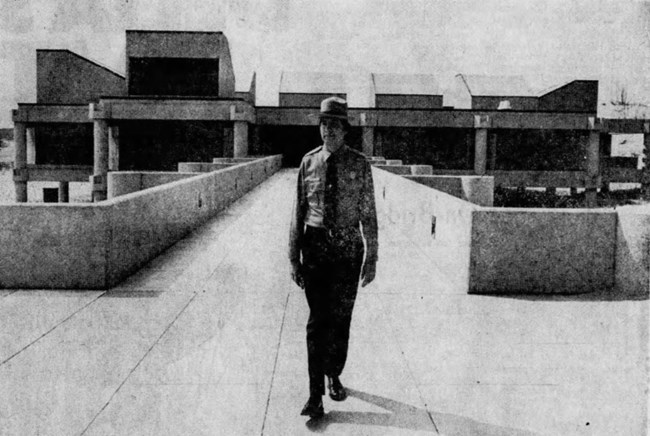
334,212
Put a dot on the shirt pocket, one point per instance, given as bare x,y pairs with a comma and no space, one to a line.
315,189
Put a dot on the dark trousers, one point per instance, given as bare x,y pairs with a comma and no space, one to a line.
331,268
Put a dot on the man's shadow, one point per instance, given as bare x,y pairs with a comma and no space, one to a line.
401,415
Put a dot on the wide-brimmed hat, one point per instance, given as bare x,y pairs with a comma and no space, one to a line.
334,107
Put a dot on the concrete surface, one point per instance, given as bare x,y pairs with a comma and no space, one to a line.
519,250
208,339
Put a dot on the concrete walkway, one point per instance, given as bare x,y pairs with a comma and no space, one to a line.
208,339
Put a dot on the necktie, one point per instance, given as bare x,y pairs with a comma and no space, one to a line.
329,206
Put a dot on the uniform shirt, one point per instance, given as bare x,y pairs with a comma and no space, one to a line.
354,206
314,181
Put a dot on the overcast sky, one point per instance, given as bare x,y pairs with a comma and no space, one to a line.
542,40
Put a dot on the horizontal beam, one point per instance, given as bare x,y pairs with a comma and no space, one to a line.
59,173
173,109
35,113
574,179
614,125
280,116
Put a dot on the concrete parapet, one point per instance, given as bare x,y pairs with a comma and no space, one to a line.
377,162
126,182
202,167
633,251
95,246
373,158
475,189
429,221
393,161
231,160
421,170
517,250
395,169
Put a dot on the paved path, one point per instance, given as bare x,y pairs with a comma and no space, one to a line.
208,339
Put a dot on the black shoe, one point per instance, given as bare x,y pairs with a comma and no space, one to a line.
313,408
337,391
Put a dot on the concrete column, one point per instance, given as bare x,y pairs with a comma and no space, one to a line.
492,165
368,140
113,148
592,168
20,162
31,146
645,173
64,192
228,142
480,151
100,167
240,143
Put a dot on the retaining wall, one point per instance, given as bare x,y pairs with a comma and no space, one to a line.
125,182
633,251
429,221
516,250
519,250
95,246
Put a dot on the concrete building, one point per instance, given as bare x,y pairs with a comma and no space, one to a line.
177,102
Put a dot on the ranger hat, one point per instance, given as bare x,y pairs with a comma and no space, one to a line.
334,107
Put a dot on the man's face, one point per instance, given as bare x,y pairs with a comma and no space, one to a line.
332,132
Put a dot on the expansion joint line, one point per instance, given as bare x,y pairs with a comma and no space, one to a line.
51,330
275,363
139,362
408,368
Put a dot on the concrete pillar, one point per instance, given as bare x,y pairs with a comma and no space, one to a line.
100,167
20,161
113,148
240,143
368,140
492,165
592,168
480,151
645,173
64,192
228,142
31,145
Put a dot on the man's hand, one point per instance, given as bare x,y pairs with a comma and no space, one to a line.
296,275
368,273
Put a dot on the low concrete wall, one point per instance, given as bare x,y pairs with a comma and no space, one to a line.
542,251
53,245
203,167
125,182
95,246
475,189
401,170
429,221
633,251
147,222
233,159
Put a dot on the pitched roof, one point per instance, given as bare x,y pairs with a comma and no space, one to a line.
497,86
406,84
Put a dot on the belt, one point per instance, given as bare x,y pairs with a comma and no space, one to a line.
332,232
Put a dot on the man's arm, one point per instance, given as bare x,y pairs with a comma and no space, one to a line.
369,222
296,230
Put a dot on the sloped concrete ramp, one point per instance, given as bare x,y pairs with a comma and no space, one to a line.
208,339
